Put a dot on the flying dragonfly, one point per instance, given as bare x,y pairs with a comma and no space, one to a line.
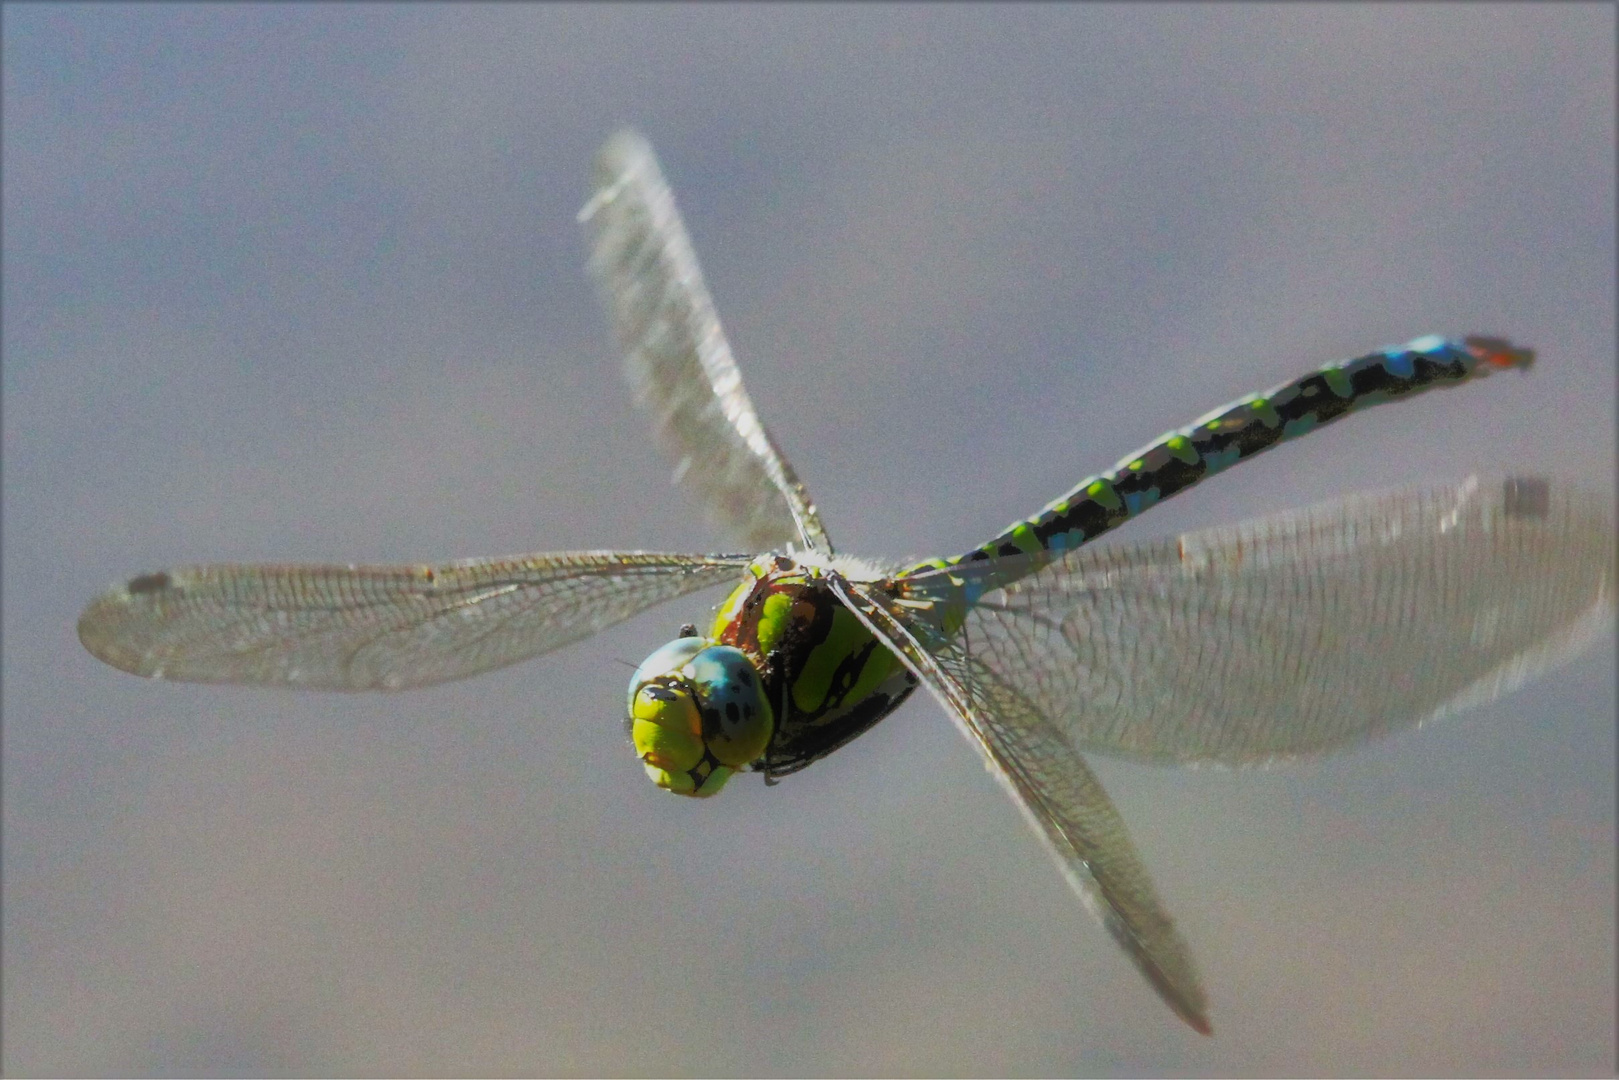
1289,635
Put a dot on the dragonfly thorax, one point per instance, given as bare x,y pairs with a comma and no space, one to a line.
826,677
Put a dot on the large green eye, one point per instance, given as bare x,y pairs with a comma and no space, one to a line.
697,714
668,734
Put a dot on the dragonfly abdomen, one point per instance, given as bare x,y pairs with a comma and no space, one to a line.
1240,430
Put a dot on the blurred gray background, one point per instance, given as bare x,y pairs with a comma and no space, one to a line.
304,283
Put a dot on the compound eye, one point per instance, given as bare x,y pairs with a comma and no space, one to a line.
737,720
666,728
697,714
666,661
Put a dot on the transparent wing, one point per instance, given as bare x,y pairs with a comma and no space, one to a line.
377,627
677,357
1057,792
1302,632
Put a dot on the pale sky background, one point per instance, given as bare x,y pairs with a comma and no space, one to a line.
305,283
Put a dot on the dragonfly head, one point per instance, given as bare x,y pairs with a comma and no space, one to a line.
698,713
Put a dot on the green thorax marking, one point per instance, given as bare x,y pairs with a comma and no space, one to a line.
824,674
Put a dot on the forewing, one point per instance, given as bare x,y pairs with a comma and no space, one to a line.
1057,792
677,357
377,627
1302,632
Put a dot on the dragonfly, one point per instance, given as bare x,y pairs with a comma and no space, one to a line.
1294,634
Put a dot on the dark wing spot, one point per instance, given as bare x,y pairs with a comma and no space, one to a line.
1528,496
147,583
732,713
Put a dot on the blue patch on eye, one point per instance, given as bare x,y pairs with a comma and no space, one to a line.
1402,364
726,683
